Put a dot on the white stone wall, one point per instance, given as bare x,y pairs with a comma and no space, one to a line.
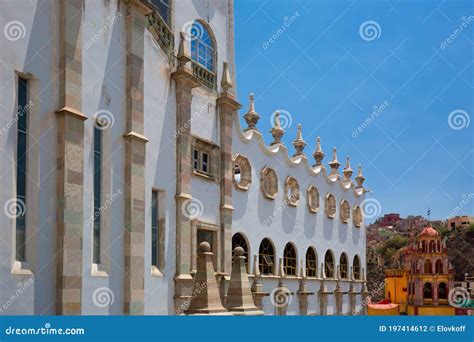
257,217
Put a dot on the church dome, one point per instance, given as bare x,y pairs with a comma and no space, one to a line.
429,231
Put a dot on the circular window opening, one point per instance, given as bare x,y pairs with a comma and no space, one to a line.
313,199
345,211
268,183
242,177
330,206
292,191
357,216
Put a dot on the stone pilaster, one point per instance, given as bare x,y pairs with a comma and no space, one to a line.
70,162
303,292
135,151
227,106
185,81
352,296
323,294
257,292
339,293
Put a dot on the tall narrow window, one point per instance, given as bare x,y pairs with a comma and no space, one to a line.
97,193
154,228
21,157
163,7
202,46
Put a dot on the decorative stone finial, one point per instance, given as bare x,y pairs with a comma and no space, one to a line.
302,270
347,170
251,117
226,82
334,163
318,154
207,299
299,143
239,298
360,178
183,51
277,132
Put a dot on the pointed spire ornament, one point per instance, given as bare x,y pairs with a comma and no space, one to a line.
239,298
277,131
347,170
360,178
251,117
226,82
299,143
183,51
318,154
334,163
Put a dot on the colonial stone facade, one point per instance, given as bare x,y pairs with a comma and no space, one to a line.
143,194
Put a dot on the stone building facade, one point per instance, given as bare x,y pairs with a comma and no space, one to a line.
125,167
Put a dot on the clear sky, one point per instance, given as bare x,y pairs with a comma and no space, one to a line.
329,63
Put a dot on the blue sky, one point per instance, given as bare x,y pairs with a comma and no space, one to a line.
329,73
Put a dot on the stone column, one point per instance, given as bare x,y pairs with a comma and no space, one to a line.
227,107
185,81
257,292
352,296
70,162
339,294
435,292
135,151
323,294
303,292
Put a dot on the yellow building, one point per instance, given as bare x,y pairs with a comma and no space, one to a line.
421,285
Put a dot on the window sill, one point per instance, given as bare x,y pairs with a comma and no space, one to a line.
98,271
155,272
204,175
21,268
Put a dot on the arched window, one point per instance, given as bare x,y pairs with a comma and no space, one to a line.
439,246
356,267
311,263
442,291
432,247
428,268
289,259
423,246
329,264
164,8
238,240
343,267
427,291
202,46
266,257
439,267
